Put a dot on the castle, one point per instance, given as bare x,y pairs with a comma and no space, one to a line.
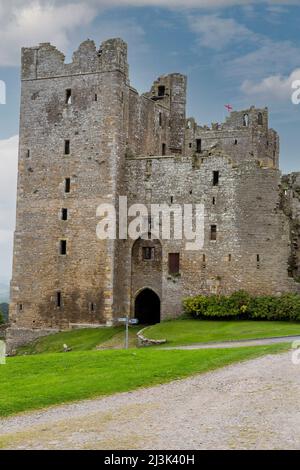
87,137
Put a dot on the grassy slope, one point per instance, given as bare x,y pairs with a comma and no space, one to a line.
196,331
30,382
78,340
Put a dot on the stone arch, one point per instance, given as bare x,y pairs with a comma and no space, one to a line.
146,268
147,306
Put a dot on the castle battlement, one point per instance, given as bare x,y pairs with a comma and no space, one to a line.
87,137
46,61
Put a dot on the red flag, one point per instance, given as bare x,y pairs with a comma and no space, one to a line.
228,107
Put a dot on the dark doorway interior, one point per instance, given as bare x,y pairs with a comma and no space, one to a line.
147,307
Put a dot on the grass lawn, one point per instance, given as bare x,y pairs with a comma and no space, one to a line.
30,382
178,332
80,340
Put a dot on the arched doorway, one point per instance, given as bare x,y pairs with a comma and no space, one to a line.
147,307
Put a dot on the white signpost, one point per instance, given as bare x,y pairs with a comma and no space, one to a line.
128,321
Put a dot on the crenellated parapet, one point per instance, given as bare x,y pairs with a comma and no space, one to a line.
46,61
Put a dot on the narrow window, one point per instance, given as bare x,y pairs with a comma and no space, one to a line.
246,120
215,178
67,185
58,299
161,90
96,97
148,252
203,258
163,149
68,96
173,263
20,307
257,258
160,119
64,214
67,147
213,232
214,201
229,258
260,119
63,247
28,154
190,145
235,142
198,145
92,307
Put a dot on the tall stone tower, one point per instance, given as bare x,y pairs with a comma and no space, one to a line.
72,146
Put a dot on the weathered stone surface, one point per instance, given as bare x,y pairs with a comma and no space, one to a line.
143,147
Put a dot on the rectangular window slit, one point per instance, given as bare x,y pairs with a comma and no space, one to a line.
63,247
64,214
199,145
213,232
148,252
163,149
68,96
161,90
215,178
58,299
67,147
67,185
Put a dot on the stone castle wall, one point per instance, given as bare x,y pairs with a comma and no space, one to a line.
141,146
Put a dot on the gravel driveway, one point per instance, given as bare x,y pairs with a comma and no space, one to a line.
249,405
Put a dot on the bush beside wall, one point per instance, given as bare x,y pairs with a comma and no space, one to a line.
242,305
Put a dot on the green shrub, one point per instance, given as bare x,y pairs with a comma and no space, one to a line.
241,305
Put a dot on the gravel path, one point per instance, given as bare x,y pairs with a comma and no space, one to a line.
249,405
238,343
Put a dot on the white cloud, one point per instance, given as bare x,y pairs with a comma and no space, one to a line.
26,23
8,188
218,33
34,22
271,57
274,87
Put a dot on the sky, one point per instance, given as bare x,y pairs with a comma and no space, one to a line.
236,52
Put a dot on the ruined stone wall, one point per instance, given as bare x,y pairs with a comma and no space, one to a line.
253,244
244,139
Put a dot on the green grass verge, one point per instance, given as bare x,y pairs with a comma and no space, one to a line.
79,340
180,332
32,382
